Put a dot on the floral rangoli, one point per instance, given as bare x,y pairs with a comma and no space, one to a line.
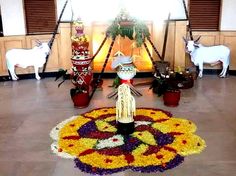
160,141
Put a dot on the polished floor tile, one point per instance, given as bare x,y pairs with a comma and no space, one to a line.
29,109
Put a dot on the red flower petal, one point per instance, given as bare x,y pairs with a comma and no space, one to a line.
151,149
100,135
170,149
108,161
159,156
143,118
129,158
161,120
71,137
116,151
86,152
175,133
114,140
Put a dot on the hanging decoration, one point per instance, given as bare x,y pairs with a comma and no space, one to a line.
126,26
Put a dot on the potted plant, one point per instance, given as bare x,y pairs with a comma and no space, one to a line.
81,72
182,80
171,97
163,85
82,81
80,96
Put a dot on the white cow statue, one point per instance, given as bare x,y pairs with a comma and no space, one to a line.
211,55
35,57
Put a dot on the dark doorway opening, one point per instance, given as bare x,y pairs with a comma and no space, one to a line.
1,28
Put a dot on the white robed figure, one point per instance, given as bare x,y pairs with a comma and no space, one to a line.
125,105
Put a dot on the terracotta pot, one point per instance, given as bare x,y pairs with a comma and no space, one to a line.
171,97
81,99
81,64
81,78
80,45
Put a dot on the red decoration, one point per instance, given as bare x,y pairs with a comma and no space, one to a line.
114,140
128,81
108,161
71,137
81,65
86,152
171,97
81,75
129,158
170,149
151,149
159,156
111,151
81,100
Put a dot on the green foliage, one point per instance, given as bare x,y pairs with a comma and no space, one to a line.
126,26
116,82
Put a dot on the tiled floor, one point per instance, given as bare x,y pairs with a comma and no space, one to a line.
29,109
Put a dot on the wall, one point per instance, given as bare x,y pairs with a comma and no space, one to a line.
61,51
228,20
155,10
12,17
14,21
62,48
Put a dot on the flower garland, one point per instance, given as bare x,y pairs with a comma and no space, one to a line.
160,141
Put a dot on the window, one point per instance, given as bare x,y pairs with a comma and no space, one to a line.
40,16
204,14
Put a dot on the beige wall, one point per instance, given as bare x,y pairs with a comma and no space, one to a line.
61,52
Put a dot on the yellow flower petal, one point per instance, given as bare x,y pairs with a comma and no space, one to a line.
188,144
175,125
146,137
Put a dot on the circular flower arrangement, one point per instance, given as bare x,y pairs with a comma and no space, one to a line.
160,141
